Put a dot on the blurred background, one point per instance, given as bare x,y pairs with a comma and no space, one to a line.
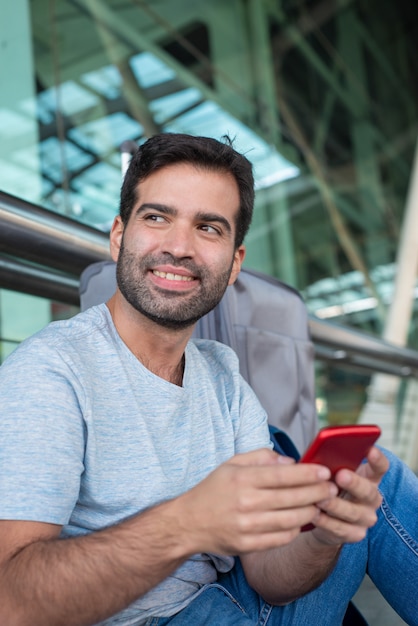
321,95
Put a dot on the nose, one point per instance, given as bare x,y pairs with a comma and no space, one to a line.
179,241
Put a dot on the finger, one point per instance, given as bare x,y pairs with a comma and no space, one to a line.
285,498
263,456
376,467
349,526
277,521
378,459
265,541
357,488
278,476
353,512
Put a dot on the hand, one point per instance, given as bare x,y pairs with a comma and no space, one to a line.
255,501
347,518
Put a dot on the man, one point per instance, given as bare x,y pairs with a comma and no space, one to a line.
135,462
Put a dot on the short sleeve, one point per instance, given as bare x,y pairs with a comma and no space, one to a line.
253,430
41,435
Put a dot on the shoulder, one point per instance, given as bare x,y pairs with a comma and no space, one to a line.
217,355
213,365
60,338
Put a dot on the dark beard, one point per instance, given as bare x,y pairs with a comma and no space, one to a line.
166,308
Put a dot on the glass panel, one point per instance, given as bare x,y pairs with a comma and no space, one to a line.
321,95
340,393
22,315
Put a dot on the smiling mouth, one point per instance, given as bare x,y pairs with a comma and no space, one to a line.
171,276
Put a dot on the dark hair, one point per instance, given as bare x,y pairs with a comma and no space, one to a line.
203,152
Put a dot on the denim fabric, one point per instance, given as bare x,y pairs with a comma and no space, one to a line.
389,554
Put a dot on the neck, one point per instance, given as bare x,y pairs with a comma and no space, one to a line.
159,349
172,373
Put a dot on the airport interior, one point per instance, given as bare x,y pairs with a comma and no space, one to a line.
321,96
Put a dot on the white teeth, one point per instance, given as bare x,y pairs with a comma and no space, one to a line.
170,276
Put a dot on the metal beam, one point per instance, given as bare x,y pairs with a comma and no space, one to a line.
136,99
355,98
38,281
329,75
132,37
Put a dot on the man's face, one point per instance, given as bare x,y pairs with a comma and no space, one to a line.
176,255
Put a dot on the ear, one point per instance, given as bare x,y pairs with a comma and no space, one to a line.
116,233
239,256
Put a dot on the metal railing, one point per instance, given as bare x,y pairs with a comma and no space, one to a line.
348,346
43,253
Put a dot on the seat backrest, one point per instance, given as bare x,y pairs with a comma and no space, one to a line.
265,321
97,283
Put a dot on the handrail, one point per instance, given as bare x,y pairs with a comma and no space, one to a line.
31,232
38,281
349,346
58,249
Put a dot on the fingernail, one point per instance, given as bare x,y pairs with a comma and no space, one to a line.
323,473
333,489
285,460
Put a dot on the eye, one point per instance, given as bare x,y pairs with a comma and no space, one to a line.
152,217
212,230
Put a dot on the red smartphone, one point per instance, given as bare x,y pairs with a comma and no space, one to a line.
339,447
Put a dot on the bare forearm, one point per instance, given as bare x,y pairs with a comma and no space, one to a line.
81,581
289,572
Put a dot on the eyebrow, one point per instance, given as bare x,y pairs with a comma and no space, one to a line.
201,216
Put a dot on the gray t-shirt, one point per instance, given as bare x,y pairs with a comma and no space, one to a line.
89,437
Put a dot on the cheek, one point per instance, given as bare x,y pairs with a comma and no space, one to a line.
224,269
139,242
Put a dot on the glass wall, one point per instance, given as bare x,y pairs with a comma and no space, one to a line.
320,94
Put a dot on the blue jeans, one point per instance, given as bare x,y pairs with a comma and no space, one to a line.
389,554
